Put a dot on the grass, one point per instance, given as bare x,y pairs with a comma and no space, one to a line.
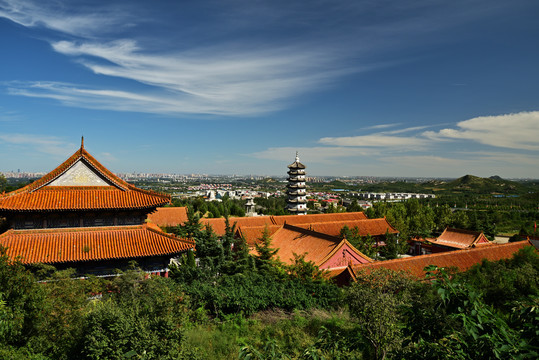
291,332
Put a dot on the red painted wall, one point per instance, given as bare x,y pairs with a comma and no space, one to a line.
343,257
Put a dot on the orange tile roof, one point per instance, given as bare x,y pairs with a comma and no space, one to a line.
218,224
251,234
290,242
373,227
168,216
461,239
37,196
316,218
317,247
461,259
90,244
341,276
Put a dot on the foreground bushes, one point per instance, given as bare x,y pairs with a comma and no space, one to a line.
252,308
131,316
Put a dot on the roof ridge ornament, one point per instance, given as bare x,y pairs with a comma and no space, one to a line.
297,156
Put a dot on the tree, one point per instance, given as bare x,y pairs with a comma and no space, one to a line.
375,301
393,246
354,207
192,227
482,332
3,183
365,244
265,252
305,270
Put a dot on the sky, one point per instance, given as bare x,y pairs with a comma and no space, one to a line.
424,88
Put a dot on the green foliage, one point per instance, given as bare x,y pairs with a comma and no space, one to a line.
250,292
506,281
3,183
365,244
22,300
213,209
484,334
393,246
272,205
305,271
139,316
264,259
375,302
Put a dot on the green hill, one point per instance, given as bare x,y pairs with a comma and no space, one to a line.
494,184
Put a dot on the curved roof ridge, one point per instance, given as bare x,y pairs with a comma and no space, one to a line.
66,165
132,196
156,229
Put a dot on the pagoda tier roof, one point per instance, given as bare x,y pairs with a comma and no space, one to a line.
296,210
296,172
296,201
461,239
296,186
296,179
80,183
53,246
297,193
296,165
460,259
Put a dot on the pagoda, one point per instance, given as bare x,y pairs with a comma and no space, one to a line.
81,215
297,196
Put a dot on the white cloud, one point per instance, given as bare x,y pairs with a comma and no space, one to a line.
249,73
43,144
376,140
316,154
514,131
57,16
208,81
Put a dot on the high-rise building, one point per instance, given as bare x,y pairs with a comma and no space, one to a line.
297,195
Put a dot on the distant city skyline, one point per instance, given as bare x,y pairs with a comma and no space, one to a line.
359,88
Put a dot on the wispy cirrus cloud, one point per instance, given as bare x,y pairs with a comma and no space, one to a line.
236,77
90,19
252,71
315,154
50,145
383,139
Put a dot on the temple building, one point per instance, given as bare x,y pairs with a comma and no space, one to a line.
297,196
82,216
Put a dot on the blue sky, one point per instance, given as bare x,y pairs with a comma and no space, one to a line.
421,88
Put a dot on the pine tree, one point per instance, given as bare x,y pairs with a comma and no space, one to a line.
265,251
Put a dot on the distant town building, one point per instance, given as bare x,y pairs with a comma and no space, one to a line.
297,195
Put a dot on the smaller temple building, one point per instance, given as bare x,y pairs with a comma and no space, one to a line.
451,239
82,216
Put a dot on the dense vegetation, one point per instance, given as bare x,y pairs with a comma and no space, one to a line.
228,304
